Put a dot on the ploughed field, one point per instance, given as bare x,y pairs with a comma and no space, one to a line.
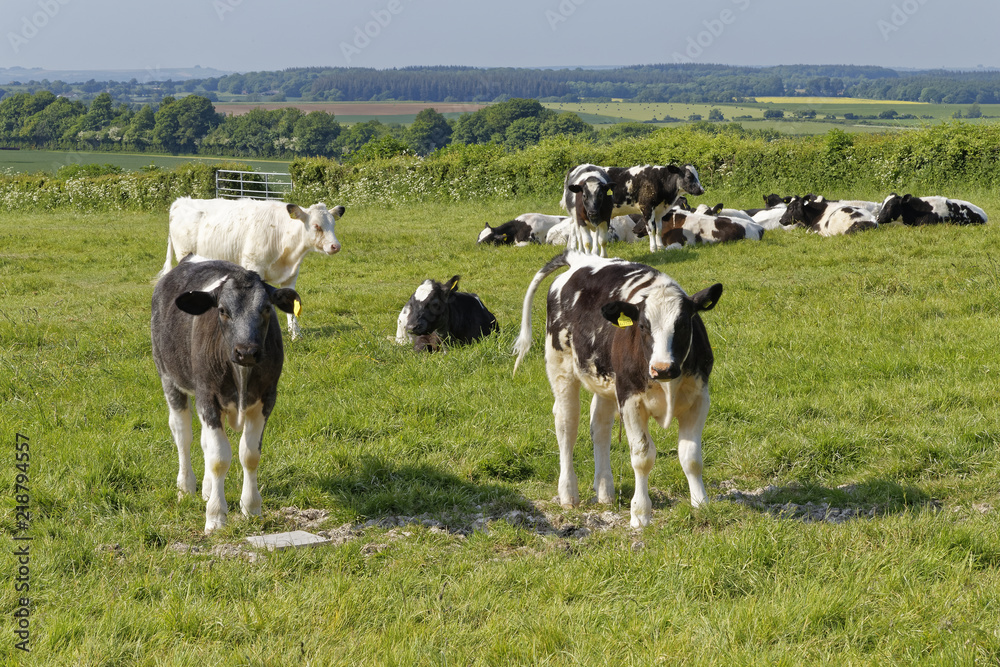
856,381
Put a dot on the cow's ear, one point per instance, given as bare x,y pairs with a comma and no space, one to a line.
452,284
295,212
717,208
708,297
337,212
286,300
620,313
196,303
907,198
575,187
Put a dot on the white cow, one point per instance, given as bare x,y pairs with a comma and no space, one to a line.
269,237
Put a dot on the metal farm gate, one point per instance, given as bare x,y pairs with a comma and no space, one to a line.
252,184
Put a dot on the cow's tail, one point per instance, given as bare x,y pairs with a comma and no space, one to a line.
523,342
166,264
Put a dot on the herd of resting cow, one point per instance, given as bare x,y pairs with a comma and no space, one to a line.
626,332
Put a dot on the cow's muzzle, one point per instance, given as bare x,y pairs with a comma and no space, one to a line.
333,249
664,372
246,354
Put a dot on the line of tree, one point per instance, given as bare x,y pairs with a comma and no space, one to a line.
686,83
190,125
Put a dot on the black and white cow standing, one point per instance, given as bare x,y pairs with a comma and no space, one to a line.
214,338
524,229
631,336
650,190
826,218
437,313
589,198
914,211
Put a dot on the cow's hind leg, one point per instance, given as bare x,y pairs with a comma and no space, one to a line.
690,424
250,442
602,420
566,411
643,452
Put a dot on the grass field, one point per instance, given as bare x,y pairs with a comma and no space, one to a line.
752,114
31,161
868,361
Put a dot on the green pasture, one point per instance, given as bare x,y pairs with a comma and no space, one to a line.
752,114
868,360
33,161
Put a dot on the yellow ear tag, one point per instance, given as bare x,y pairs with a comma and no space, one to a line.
297,308
624,320
611,193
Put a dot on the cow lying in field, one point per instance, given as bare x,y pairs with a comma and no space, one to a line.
631,336
524,229
269,237
826,218
214,338
623,228
912,211
681,228
439,313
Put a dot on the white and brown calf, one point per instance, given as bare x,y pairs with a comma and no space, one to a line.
631,336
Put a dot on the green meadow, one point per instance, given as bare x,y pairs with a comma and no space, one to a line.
857,372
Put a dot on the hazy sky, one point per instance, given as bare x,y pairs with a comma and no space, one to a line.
245,35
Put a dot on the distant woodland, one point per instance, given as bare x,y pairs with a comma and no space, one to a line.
164,116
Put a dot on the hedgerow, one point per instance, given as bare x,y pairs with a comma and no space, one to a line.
728,158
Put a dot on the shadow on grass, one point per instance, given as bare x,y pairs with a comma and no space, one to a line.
874,498
374,487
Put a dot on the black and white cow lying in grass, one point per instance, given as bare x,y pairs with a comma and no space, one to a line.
681,228
912,211
525,229
215,338
631,336
437,314
622,228
826,218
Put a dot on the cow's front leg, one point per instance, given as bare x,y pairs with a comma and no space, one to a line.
690,424
253,432
643,453
218,455
602,419
293,321
180,427
600,234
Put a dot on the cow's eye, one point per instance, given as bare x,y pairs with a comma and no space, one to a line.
223,313
317,228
